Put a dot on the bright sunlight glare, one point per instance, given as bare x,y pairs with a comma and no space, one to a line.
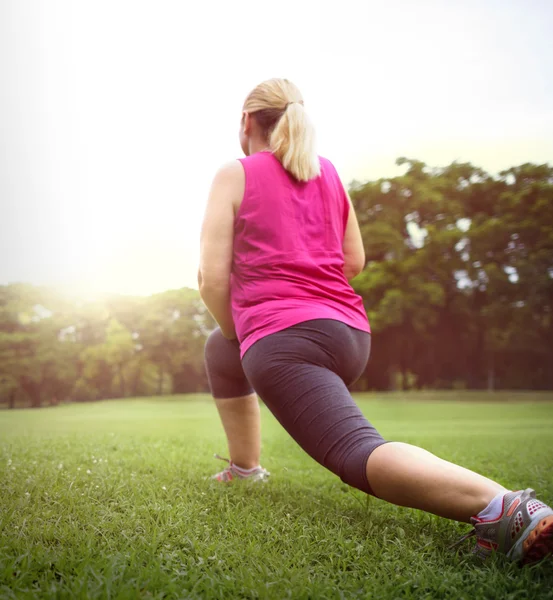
116,114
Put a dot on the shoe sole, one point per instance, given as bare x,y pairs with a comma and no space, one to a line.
539,544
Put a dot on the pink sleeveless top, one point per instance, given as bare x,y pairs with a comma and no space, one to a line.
288,260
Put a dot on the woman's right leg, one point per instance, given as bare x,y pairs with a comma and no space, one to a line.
296,374
300,375
410,476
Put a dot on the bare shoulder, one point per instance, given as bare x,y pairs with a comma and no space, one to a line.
229,184
230,172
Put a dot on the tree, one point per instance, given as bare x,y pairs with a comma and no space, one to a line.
459,271
172,335
511,268
34,363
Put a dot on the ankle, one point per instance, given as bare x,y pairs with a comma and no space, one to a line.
245,465
492,508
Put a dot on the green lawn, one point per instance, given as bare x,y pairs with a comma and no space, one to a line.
109,500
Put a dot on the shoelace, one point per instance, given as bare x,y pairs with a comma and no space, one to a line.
464,538
222,458
227,469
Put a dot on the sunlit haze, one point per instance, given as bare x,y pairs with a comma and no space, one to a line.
115,115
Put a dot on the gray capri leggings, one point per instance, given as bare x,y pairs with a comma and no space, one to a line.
302,375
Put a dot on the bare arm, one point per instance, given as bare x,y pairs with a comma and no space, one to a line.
216,244
354,252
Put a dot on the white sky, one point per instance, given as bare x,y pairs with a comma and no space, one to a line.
114,115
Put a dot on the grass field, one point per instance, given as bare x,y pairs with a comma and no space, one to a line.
109,500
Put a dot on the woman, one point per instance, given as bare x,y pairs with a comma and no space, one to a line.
279,243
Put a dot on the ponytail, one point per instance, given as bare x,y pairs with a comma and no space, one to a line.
277,106
292,141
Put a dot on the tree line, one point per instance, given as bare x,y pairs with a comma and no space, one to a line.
55,349
458,287
458,284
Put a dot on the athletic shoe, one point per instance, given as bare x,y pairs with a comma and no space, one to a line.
234,472
523,531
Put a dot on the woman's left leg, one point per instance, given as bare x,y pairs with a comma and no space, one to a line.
235,399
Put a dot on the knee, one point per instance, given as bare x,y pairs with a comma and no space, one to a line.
213,342
217,346
352,467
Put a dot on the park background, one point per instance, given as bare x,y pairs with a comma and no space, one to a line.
116,117
458,287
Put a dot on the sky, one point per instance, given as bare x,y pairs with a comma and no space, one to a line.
115,115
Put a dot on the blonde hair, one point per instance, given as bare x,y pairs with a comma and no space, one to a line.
277,106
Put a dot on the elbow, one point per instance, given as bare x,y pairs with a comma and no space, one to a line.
352,268
352,274
212,285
